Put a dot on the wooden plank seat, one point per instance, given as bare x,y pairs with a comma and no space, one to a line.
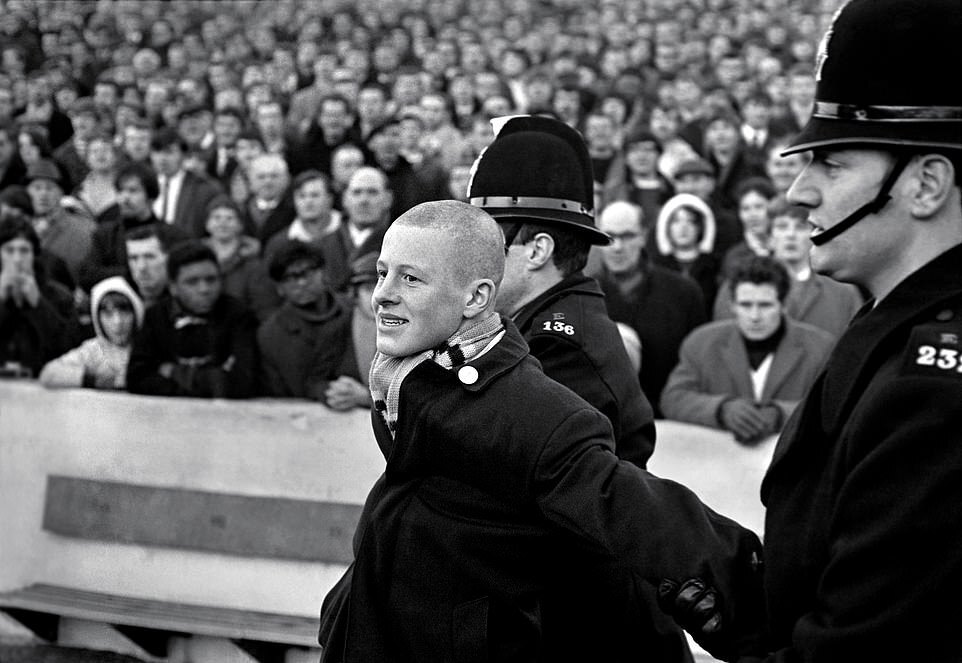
150,622
175,617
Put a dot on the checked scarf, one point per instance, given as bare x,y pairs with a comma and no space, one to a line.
387,372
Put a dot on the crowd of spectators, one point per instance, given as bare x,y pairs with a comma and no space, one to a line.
236,163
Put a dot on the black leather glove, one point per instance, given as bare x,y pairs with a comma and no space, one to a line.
728,629
695,606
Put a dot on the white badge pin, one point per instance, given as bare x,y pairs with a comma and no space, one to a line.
468,374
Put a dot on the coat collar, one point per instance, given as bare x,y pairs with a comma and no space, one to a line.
921,292
507,353
575,283
477,374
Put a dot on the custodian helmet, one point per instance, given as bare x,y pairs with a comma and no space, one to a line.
881,77
537,168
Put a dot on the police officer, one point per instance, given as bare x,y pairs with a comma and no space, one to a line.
863,533
536,180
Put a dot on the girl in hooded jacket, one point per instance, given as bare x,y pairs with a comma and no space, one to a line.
101,362
685,241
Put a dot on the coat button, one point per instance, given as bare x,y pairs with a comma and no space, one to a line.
944,315
468,374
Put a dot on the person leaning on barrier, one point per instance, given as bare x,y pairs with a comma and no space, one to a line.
748,374
37,319
101,362
863,537
303,343
492,468
195,341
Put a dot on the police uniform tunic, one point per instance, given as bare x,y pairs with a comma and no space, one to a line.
863,534
570,333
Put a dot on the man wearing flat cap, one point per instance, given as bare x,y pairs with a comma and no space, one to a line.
863,534
536,180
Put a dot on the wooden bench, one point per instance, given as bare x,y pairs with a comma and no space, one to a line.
150,623
156,517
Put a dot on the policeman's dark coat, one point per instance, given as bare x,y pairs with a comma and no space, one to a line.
485,482
863,530
568,330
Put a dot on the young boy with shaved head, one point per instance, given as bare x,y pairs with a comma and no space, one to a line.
492,467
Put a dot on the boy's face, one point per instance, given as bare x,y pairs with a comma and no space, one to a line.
302,283
419,299
117,324
197,286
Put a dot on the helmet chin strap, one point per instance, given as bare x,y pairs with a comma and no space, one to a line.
872,207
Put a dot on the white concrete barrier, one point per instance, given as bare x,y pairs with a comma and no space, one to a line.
726,475
279,449
256,448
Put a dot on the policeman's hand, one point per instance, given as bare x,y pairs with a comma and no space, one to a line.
694,605
743,418
724,614
728,633
345,393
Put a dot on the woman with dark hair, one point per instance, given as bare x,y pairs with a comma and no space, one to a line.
685,242
37,319
33,144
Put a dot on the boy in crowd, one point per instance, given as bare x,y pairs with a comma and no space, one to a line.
303,344
198,341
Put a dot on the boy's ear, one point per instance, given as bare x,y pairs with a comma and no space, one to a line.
481,299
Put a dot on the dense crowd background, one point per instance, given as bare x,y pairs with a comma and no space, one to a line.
193,192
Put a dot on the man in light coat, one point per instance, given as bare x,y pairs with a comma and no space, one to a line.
747,375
